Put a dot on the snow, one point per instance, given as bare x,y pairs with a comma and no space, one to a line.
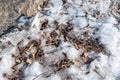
80,22
111,20
55,77
32,71
69,50
7,61
109,36
22,20
91,16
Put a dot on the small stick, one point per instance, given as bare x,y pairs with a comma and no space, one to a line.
98,73
40,74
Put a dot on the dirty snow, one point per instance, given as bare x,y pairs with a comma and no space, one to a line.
73,40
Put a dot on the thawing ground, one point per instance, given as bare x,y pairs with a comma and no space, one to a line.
66,40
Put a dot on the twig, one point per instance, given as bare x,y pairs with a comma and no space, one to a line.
98,73
40,74
48,44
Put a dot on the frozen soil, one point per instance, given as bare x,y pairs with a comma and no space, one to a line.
66,40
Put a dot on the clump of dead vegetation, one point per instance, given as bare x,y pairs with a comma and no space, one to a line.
34,51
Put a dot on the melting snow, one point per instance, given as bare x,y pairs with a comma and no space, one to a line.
85,16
